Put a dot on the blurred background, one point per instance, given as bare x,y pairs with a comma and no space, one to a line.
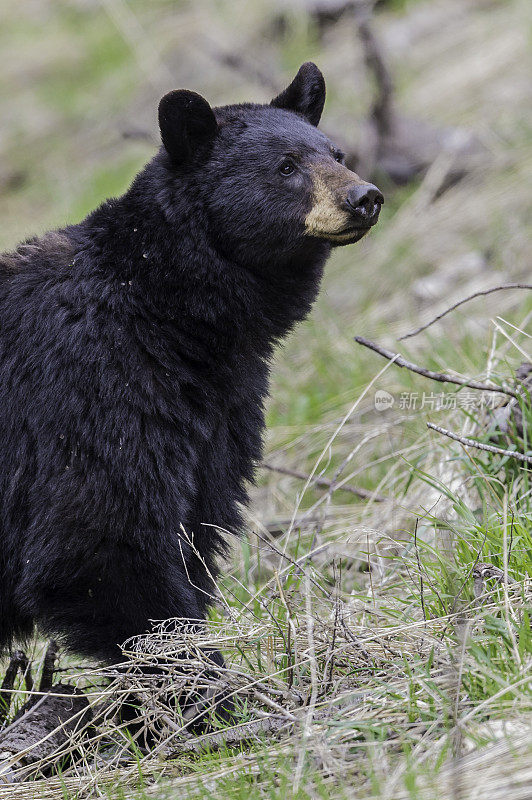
431,99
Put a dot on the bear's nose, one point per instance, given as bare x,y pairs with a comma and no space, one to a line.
364,201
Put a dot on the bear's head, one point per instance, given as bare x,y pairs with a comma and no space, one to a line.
272,185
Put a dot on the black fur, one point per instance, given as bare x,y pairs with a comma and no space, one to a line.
134,352
305,95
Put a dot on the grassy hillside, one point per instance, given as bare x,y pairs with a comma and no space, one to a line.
390,634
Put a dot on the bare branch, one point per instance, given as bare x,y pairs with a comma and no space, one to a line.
480,445
382,110
502,287
365,494
442,377
42,729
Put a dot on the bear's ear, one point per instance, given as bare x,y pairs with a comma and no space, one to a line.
306,93
187,124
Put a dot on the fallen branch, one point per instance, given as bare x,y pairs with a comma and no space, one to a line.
480,445
442,377
365,494
41,730
238,734
502,287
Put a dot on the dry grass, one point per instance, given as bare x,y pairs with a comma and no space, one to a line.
366,656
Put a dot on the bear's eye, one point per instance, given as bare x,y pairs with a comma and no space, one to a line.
339,156
287,168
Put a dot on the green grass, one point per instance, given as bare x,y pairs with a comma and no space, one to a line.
446,675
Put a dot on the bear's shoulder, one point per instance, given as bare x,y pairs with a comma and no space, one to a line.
52,249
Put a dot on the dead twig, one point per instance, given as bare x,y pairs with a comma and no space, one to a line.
365,494
502,287
441,377
480,445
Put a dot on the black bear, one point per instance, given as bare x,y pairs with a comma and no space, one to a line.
134,350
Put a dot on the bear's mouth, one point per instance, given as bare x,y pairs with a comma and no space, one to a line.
346,236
